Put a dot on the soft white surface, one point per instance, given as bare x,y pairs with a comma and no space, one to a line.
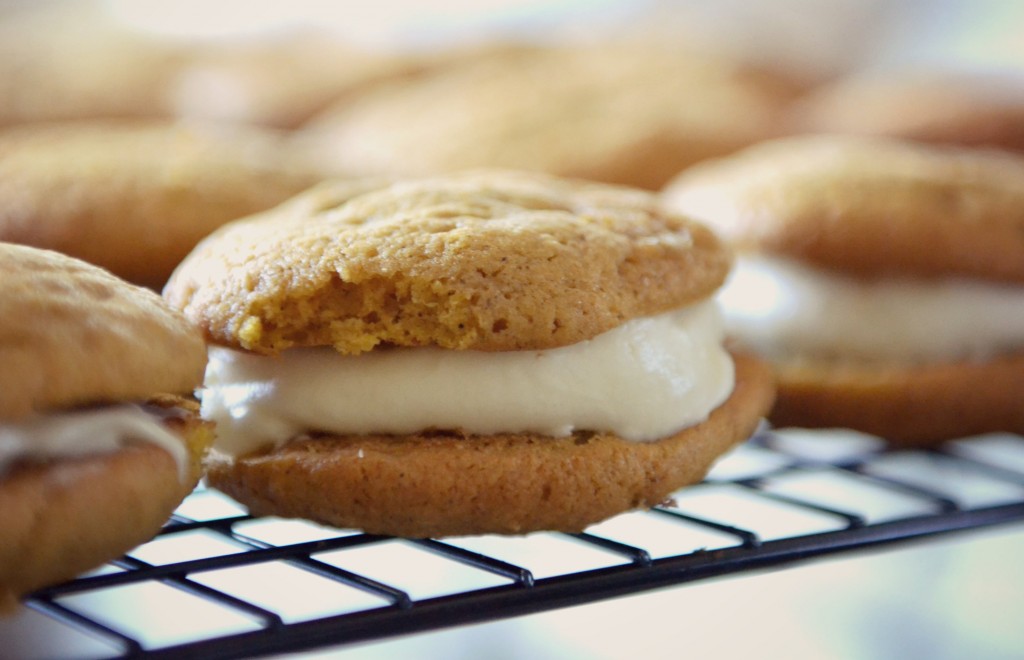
644,380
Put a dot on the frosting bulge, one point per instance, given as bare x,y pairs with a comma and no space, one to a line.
784,309
644,380
85,433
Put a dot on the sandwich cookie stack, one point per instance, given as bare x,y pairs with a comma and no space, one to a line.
484,352
100,438
882,278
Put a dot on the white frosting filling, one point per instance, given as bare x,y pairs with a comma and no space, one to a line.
88,432
785,309
644,380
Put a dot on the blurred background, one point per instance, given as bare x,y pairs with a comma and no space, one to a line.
221,49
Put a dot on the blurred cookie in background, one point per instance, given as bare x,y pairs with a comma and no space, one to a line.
971,109
626,112
68,61
283,80
883,278
135,197
79,61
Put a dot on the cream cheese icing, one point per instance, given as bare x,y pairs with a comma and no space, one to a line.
86,432
784,309
644,380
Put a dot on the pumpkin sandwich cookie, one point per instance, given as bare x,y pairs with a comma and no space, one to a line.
883,278
100,439
486,352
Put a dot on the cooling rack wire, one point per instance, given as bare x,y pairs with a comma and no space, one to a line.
217,583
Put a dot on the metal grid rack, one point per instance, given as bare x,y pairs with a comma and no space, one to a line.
242,587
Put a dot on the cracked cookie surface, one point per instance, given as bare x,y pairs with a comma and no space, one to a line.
485,260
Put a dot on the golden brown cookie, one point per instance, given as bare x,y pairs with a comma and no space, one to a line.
136,197
866,206
72,334
878,218
75,340
487,260
941,108
626,113
489,264
447,484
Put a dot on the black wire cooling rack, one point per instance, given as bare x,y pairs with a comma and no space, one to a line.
217,583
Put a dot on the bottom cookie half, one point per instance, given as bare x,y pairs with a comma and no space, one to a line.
906,405
63,517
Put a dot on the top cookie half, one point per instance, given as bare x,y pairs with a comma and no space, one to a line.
867,207
72,334
486,260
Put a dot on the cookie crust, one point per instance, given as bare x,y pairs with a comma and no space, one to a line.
867,207
445,484
485,260
63,517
